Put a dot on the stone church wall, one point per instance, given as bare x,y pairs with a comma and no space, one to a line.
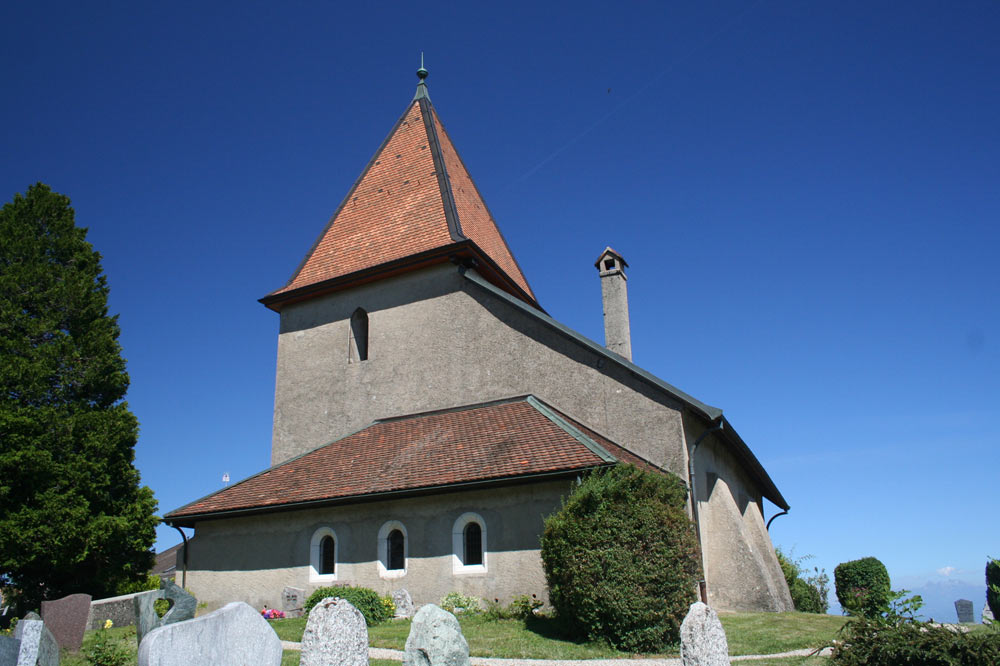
254,558
740,566
437,341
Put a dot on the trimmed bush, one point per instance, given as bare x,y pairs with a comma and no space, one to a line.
863,587
376,609
876,643
993,587
621,559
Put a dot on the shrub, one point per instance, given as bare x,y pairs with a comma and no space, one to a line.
807,593
863,587
522,606
876,643
993,587
372,606
454,602
150,582
621,559
106,651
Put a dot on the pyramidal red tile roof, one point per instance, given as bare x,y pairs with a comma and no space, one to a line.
414,200
495,441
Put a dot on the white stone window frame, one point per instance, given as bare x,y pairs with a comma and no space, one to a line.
314,556
383,550
458,565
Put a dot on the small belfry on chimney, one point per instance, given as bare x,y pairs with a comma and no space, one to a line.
614,293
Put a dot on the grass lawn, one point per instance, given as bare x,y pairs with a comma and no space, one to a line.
539,638
771,633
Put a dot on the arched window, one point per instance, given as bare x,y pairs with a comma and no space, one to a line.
468,540
473,544
393,550
323,556
359,336
395,545
327,555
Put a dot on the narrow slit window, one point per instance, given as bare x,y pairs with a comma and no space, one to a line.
473,544
327,556
395,551
359,335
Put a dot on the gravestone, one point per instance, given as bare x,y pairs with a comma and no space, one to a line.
292,601
32,644
964,609
183,607
335,635
234,635
435,640
66,618
987,614
703,640
404,604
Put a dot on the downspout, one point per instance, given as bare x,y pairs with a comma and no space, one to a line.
768,526
184,571
702,584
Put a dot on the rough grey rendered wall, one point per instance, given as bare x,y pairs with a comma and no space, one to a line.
253,558
741,568
438,341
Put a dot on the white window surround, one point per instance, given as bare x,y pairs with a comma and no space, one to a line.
383,550
314,556
458,565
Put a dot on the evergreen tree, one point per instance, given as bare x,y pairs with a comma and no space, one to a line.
73,517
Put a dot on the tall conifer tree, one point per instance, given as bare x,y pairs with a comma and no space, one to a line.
73,515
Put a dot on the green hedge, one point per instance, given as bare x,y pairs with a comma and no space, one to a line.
863,587
875,643
621,559
376,609
806,597
993,587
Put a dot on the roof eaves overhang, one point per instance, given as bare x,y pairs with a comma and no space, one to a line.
189,520
743,452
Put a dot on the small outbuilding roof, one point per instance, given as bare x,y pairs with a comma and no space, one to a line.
503,441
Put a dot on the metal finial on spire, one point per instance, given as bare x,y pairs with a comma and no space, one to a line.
422,73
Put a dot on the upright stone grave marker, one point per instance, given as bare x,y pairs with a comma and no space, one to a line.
404,604
234,635
66,618
964,609
335,635
292,601
183,608
435,639
32,644
703,640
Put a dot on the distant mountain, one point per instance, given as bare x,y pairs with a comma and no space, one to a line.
940,597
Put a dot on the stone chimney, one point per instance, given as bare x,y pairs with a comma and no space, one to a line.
614,293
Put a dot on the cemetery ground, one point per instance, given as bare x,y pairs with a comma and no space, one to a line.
538,638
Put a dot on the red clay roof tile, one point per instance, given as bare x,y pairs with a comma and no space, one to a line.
414,196
477,443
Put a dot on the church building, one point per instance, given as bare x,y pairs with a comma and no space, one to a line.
429,414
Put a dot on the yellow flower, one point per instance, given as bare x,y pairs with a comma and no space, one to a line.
108,624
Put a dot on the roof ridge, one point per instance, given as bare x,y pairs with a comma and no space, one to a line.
556,417
444,182
457,408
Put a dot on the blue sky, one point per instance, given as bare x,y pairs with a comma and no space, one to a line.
808,195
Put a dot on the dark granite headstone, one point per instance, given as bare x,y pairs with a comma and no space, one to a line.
66,618
964,609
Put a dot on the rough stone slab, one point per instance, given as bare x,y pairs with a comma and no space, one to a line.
182,608
703,640
37,645
987,614
435,640
144,612
66,618
183,605
404,604
234,635
335,635
963,608
9,648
